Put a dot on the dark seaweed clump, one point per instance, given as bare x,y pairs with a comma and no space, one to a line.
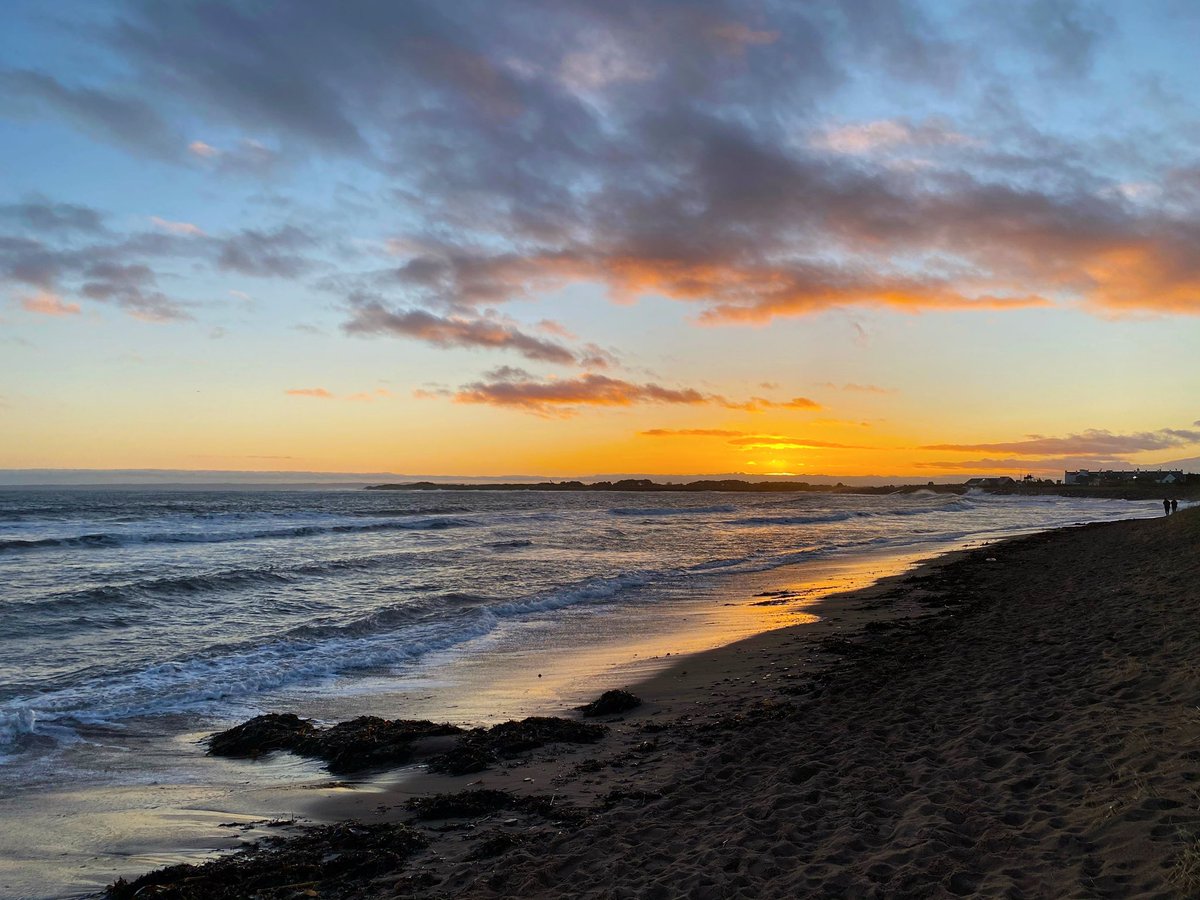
609,703
481,747
330,861
363,743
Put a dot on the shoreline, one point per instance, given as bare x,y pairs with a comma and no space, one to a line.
725,712
175,820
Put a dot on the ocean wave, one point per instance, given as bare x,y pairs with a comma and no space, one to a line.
651,511
140,592
959,505
117,539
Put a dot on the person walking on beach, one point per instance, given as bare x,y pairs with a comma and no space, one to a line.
1174,506
1166,507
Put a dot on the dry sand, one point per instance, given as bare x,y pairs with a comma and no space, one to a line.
1017,721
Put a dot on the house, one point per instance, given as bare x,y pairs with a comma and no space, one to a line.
994,482
1124,477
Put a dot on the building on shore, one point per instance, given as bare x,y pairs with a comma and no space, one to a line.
1001,481
1124,477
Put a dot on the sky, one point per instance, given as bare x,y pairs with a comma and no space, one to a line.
565,237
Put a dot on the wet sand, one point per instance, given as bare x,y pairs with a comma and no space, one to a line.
1021,720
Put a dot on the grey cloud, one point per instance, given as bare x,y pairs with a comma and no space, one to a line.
124,120
1067,32
265,253
41,215
651,147
1096,442
102,272
455,331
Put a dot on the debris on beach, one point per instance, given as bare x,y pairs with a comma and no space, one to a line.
481,802
496,844
363,743
610,703
479,748
329,861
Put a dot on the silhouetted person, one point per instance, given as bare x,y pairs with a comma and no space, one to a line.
1174,506
1166,507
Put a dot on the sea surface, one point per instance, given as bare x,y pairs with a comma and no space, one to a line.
130,613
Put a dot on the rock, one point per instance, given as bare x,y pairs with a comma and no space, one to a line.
609,703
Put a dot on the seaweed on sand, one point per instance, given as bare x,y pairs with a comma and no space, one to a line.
332,861
362,743
481,747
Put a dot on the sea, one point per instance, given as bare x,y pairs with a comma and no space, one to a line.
134,622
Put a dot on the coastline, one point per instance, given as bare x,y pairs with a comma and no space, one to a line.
893,745
185,807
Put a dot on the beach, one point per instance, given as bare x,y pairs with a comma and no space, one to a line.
1017,720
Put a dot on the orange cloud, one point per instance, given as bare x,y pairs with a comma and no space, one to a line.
318,393
690,432
186,229
758,404
857,388
203,150
47,304
781,442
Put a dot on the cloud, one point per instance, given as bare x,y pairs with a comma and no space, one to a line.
66,249
690,432
320,393
887,134
1091,442
1043,465
41,215
516,388
246,157
758,404
132,286
265,254
203,150
47,304
1067,32
783,442
747,441
109,115
186,229
455,331
657,148
857,388
98,271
